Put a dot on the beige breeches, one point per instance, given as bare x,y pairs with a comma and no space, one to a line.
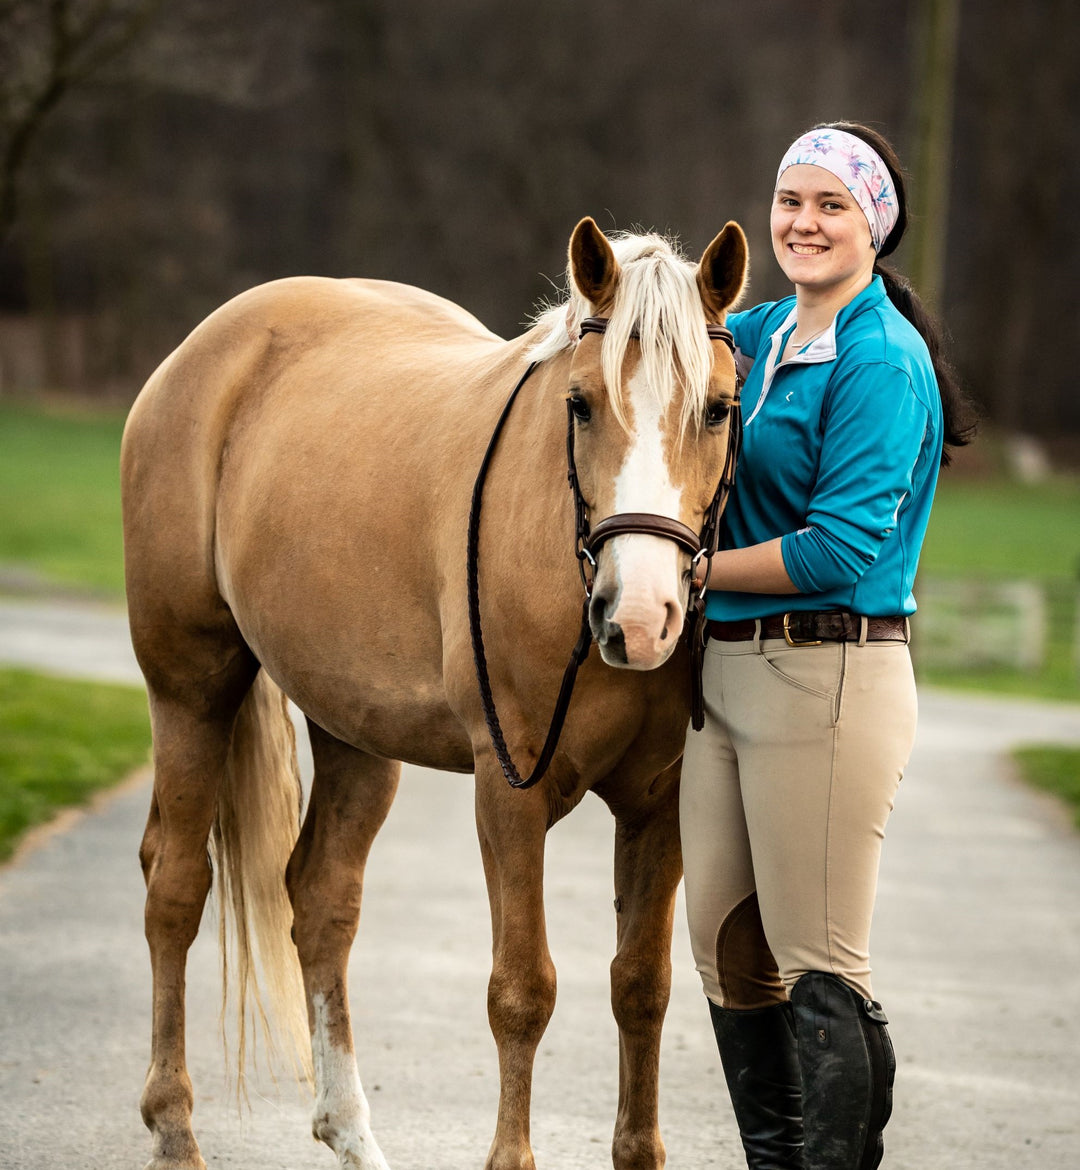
785,795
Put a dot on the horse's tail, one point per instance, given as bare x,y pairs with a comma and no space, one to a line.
257,824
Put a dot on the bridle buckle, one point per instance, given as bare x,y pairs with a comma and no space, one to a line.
583,554
701,552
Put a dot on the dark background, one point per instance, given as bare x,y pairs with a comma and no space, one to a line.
165,156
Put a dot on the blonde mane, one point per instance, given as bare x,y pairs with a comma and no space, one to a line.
658,295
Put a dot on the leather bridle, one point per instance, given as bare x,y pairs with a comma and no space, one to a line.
588,541
697,544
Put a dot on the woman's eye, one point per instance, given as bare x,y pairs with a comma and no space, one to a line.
580,408
716,413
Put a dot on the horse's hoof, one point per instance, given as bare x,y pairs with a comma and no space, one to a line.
188,1161
362,1159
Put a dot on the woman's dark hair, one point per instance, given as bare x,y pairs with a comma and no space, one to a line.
958,414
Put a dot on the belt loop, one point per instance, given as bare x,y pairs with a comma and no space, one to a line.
907,629
757,635
863,627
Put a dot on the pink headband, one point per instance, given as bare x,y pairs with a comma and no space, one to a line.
858,166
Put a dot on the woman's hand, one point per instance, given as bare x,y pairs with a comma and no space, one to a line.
757,569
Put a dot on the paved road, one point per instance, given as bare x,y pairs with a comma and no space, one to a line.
977,957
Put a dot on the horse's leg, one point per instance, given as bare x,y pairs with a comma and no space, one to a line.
191,743
521,992
648,866
351,795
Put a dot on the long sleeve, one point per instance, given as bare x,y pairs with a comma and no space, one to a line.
875,428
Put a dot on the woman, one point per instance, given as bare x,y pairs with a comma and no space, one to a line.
809,690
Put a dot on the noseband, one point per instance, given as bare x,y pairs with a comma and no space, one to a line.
588,541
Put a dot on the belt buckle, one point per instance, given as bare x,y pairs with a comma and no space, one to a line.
792,641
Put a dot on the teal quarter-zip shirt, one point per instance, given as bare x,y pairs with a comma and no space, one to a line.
841,449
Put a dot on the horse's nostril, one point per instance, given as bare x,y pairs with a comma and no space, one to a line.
675,619
663,634
614,645
598,609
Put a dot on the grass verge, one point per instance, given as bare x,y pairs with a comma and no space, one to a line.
1055,769
60,742
60,495
1056,681
999,528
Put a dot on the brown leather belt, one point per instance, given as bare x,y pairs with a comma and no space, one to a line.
811,628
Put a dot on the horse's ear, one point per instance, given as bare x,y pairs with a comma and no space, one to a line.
593,266
722,273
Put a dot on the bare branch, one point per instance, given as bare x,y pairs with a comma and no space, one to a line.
74,44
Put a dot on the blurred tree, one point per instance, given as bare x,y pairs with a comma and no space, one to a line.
937,26
1011,288
455,146
47,48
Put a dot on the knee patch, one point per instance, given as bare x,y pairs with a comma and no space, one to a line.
745,967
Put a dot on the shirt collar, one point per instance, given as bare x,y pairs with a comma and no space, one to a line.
823,348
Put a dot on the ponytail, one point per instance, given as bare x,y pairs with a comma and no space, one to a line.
958,414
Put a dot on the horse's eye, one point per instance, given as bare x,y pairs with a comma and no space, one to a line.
716,413
580,408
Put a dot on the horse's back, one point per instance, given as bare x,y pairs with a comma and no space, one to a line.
310,305
288,318
314,340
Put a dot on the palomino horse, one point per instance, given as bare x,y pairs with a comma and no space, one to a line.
296,485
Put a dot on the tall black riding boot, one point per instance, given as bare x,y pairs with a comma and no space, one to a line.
847,1065
757,1050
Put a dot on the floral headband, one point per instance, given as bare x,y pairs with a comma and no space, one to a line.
858,166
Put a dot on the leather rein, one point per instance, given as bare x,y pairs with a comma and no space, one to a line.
588,541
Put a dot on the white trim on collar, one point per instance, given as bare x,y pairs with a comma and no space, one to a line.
821,349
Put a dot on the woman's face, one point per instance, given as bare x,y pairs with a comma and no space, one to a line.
820,235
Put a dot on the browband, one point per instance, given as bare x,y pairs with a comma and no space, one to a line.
715,332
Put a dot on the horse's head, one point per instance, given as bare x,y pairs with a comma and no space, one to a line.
652,396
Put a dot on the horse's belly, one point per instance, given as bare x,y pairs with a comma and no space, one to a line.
370,678
416,728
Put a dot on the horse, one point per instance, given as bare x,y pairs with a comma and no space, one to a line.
296,482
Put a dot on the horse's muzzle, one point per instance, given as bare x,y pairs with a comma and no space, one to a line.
631,638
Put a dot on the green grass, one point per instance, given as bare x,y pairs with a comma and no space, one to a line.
1056,769
1051,685
60,495
1000,529
60,742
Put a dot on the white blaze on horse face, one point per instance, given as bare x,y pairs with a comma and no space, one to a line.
342,1115
646,605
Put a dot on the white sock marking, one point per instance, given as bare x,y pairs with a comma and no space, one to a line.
342,1115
